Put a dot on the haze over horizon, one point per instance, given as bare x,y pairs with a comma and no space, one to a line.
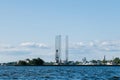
28,28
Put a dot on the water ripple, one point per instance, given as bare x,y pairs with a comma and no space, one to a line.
60,73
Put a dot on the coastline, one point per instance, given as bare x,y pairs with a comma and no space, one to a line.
72,65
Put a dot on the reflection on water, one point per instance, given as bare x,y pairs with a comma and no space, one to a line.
60,73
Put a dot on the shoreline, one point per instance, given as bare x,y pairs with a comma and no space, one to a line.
70,66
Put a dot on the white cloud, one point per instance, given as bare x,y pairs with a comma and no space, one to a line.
99,45
24,50
95,49
34,45
24,47
91,49
110,46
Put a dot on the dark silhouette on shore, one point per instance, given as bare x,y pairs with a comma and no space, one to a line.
33,62
41,62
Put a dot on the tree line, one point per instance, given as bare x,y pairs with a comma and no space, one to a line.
33,62
115,61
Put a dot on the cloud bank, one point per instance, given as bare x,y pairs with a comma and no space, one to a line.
78,50
98,45
23,50
34,45
95,49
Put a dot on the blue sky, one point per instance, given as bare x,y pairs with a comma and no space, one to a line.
37,22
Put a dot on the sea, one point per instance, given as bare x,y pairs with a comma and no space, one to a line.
60,73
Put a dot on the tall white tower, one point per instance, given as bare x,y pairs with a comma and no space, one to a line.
66,50
58,49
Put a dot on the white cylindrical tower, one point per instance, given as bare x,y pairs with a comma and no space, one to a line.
58,49
66,50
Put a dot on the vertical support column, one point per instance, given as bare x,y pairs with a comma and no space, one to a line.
58,49
67,42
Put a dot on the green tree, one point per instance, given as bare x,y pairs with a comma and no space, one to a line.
33,62
28,60
94,61
22,63
116,61
104,62
36,62
77,62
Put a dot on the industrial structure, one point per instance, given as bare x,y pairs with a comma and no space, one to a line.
58,49
67,44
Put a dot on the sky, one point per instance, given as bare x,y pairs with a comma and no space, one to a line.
28,28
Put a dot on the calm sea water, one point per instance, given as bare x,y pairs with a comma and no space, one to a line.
60,73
